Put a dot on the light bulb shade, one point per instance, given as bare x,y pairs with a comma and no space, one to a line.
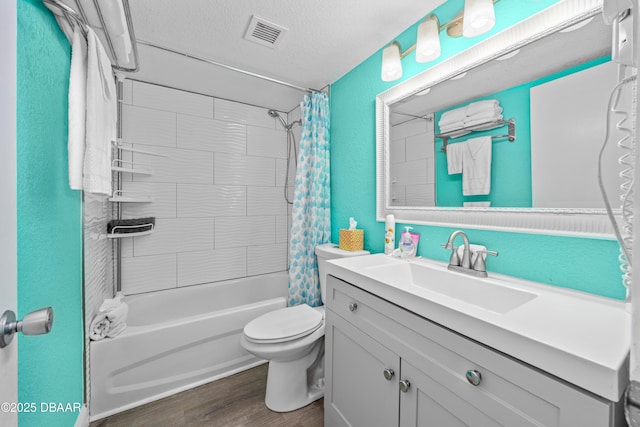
391,65
428,44
479,17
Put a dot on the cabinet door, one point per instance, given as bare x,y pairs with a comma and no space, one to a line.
357,393
428,403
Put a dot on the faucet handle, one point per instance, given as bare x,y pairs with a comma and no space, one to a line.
454,259
479,264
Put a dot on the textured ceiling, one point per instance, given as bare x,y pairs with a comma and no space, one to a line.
325,38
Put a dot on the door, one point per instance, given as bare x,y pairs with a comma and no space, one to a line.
8,244
358,391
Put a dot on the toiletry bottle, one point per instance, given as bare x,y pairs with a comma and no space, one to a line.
407,246
389,234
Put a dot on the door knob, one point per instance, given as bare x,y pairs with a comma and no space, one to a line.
388,374
404,386
35,323
353,306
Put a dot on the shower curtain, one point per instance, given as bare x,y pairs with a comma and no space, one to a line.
311,214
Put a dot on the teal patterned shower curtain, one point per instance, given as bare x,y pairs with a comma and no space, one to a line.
311,214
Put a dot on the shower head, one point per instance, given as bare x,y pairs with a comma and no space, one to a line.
274,114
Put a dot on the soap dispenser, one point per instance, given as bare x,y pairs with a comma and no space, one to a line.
407,246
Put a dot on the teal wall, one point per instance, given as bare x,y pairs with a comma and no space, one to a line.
589,265
50,367
511,162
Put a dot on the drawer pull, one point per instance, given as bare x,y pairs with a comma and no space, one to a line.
404,386
388,374
353,306
474,377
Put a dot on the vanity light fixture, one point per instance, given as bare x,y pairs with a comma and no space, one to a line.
477,18
428,43
391,65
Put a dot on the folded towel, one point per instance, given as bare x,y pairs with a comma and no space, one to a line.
111,319
452,126
99,327
476,204
484,124
457,133
118,319
101,123
476,166
455,153
482,106
137,225
77,109
452,116
487,115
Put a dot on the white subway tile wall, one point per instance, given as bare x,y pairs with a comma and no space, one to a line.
412,163
218,196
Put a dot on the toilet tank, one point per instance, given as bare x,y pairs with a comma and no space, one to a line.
328,251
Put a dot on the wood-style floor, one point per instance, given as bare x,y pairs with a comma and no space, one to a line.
234,401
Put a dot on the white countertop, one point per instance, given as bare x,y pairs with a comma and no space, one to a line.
581,338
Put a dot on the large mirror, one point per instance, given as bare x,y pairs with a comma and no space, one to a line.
546,82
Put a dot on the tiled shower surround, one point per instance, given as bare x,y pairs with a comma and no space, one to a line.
217,195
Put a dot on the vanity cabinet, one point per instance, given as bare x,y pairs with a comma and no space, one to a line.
386,366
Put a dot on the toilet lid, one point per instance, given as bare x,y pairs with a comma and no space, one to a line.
284,324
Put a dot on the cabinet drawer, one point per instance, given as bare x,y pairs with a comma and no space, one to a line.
510,392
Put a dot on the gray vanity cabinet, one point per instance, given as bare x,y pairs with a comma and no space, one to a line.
386,366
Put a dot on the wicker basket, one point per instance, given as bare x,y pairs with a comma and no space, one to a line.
351,240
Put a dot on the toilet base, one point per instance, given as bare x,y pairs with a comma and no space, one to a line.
294,384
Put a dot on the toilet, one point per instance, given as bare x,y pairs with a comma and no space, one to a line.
292,340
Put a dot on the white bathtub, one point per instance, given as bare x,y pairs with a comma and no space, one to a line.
178,339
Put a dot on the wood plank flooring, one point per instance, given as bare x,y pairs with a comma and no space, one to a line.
235,401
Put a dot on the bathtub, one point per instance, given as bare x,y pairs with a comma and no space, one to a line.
178,339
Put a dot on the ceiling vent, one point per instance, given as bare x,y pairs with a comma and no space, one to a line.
264,32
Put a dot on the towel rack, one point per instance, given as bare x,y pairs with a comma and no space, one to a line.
131,60
511,132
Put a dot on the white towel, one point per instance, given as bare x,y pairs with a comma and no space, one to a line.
452,116
485,114
455,153
101,123
457,133
482,106
99,327
476,204
77,108
485,124
476,166
118,319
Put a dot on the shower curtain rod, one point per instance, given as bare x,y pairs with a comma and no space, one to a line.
229,67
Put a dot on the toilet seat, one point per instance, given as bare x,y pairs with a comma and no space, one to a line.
285,324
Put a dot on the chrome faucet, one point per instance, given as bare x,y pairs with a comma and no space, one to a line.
466,253
464,265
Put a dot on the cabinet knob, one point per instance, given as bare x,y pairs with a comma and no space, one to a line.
388,374
404,386
474,377
353,306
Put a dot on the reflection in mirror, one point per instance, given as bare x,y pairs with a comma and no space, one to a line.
544,180
556,90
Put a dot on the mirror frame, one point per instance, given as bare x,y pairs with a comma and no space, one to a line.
561,221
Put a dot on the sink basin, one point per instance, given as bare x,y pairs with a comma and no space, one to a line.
486,293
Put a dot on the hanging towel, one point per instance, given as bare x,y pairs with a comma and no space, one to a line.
101,123
476,166
455,152
77,108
